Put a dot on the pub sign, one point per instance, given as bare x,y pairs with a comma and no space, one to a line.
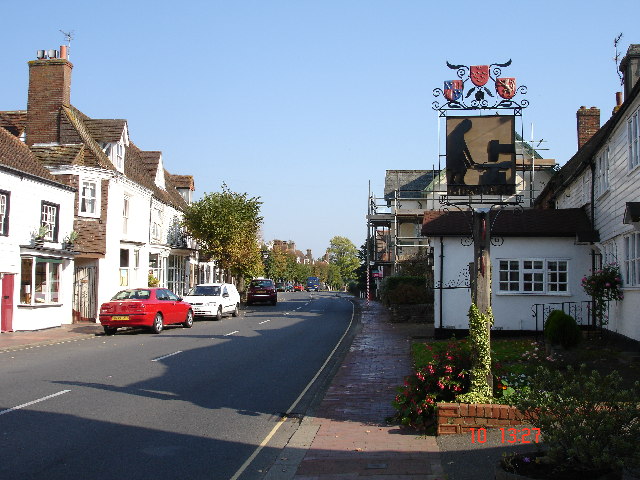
481,155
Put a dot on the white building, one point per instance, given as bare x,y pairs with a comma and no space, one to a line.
37,273
603,179
128,208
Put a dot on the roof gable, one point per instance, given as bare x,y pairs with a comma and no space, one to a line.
16,155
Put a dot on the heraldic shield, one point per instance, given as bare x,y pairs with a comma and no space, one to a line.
453,90
479,74
506,87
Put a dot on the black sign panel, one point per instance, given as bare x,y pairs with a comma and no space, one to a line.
481,156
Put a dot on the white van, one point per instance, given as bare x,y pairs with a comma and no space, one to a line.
214,300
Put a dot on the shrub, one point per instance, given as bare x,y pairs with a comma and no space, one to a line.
561,328
589,422
439,376
404,290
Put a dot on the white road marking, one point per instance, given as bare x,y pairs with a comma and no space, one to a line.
166,356
34,401
231,333
264,322
277,426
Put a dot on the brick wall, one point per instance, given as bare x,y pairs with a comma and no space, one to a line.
92,232
588,124
460,417
49,89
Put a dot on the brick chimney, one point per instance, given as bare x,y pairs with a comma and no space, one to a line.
49,89
630,68
588,124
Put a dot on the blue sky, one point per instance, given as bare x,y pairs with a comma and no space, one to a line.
303,102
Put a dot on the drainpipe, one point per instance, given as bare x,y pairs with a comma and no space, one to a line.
441,276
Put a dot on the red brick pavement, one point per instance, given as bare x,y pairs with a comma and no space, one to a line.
353,439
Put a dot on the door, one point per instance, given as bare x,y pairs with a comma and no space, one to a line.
6,306
84,294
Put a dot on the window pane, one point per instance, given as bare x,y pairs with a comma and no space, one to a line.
26,280
54,282
40,295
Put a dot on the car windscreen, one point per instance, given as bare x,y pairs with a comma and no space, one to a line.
205,291
261,283
135,294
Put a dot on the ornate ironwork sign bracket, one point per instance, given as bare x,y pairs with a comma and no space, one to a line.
498,208
480,87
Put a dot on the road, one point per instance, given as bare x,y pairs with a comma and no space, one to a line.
188,403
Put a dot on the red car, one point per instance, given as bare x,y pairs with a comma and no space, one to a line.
145,307
262,290
298,288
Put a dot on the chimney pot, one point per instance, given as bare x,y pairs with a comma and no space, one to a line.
63,51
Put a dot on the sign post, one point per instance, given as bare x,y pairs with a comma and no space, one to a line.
481,173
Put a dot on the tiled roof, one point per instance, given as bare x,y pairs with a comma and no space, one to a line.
567,222
15,154
138,171
105,130
583,157
14,121
183,181
411,183
94,155
55,155
150,160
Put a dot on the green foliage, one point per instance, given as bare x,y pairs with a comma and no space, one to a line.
481,390
440,375
603,285
226,226
402,290
153,281
561,329
344,254
589,422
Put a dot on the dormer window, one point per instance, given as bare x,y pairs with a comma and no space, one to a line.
116,153
119,157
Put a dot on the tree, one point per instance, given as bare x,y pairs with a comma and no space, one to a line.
226,226
344,254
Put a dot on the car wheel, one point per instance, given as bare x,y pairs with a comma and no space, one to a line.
273,302
188,323
110,330
236,311
219,314
158,324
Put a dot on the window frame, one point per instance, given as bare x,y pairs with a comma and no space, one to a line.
524,275
4,212
52,277
631,263
602,172
126,208
633,138
96,198
52,227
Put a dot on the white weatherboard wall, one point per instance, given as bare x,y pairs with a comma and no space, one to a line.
24,218
511,311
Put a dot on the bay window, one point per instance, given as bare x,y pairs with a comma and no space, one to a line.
40,280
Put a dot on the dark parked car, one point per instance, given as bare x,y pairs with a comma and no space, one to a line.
145,307
262,290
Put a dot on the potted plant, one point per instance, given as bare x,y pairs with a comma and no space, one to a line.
70,239
39,234
590,426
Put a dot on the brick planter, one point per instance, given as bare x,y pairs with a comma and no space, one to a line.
460,417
